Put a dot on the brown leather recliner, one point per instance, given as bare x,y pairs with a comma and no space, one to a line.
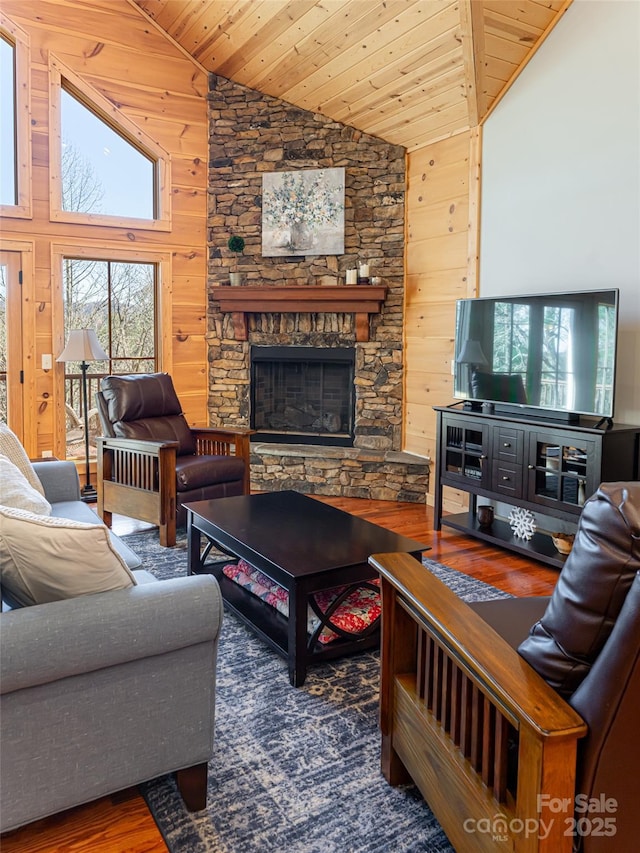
150,462
513,729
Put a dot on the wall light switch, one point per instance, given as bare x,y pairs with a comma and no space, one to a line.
47,454
47,361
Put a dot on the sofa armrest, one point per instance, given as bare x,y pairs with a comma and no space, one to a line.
48,642
523,695
59,480
478,731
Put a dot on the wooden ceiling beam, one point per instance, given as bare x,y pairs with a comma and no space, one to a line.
472,27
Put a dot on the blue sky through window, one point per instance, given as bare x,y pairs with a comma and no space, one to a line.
125,174
7,120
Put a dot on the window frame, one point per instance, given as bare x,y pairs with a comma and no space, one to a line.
60,76
115,252
22,83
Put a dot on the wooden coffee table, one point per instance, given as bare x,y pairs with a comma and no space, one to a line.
300,543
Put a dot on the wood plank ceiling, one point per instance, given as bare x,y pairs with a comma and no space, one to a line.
408,71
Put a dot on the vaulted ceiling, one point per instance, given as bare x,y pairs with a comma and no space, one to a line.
408,71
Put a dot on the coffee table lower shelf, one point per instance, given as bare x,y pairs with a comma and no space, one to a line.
273,628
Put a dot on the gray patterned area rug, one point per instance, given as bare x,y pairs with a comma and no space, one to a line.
294,769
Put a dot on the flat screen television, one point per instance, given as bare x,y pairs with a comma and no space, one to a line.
553,352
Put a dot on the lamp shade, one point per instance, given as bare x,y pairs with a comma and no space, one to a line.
82,345
471,353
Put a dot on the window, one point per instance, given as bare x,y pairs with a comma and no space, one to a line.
8,179
118,300
15,144
104,169
101,171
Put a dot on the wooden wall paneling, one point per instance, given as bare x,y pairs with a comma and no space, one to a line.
150,86
436,253
41,322
56,333
26,249
187,169
188,318
447,216
440,266
432,317
424,288
475,188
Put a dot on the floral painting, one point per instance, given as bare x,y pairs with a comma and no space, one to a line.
303,212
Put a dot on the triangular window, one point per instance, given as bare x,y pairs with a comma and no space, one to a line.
102,172
105,170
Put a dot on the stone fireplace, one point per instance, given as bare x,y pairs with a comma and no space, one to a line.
354,447
303,395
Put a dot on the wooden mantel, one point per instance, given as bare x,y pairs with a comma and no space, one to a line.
360,300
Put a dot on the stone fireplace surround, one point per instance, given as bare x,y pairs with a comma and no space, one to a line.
372,468
251,133
303,395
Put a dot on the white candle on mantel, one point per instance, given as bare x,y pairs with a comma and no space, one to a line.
352,276
364,270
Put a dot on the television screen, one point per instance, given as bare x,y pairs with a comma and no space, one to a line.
551,351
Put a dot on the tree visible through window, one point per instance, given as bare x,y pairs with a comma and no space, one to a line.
117,300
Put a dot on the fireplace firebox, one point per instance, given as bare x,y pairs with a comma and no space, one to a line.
303,395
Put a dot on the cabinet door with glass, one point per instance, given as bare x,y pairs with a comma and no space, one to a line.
561,470
464,453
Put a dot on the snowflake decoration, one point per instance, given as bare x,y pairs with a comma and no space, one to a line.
523,523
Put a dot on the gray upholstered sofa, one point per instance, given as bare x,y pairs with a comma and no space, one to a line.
100,692
59,479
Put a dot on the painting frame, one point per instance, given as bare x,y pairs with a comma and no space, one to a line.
303,212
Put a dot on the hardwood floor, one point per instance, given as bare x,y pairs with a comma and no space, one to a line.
122,822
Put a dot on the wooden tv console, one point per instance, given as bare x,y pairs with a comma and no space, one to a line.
547,467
